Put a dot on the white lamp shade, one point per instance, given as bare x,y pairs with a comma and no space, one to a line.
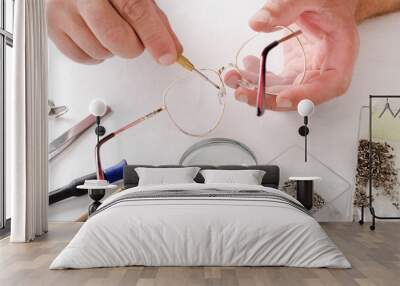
97,107
305,107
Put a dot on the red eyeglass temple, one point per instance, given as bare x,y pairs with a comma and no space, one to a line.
99,168
263,68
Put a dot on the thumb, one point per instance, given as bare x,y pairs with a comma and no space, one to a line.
280,13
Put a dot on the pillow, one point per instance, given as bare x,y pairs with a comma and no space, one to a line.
166,176
247,177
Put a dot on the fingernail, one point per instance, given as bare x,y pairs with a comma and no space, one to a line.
242,98
167,59
284,103
262,16
94,62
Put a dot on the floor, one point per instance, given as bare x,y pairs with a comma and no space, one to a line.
69,209
375,257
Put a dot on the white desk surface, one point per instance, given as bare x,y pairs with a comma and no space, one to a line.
92,187
305,178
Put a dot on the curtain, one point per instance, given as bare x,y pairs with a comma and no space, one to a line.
27,123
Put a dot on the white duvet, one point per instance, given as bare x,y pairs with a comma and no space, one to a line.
202,232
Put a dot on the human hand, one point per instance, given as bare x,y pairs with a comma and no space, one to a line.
330,39
90,31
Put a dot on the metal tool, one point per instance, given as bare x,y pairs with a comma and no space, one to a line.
186,64
56,111
59,144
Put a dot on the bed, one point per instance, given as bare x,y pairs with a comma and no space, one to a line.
198,224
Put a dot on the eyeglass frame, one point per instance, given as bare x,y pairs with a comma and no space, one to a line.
261,92
260,99
164,107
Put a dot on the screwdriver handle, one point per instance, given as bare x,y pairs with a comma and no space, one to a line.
185,63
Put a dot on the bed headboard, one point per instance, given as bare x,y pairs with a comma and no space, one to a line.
271,177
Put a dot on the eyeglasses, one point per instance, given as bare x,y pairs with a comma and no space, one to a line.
262,91
201,109
195,103
289,71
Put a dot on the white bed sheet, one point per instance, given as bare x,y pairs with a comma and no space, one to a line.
200,232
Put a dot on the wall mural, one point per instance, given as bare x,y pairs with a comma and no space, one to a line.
330,193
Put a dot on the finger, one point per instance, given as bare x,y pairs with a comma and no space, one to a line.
274,83
68,47
143,16
232,78
246,95
276,89
279,13
321,89
249,76
271,78
250,97
165,19
178,44
112,31
251,63
80,33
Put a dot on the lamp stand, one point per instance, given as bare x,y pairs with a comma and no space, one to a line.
100,130
304,131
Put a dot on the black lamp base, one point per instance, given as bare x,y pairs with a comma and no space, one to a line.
304,131
96,196
100,130
305,193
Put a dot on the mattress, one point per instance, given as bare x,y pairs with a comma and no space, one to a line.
201,225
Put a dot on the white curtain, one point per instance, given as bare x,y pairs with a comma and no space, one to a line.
27,124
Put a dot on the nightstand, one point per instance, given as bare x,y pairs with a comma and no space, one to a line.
305,190
96,191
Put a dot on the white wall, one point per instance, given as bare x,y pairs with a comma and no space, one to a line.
211,32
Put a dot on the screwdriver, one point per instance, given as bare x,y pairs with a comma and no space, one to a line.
186,64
